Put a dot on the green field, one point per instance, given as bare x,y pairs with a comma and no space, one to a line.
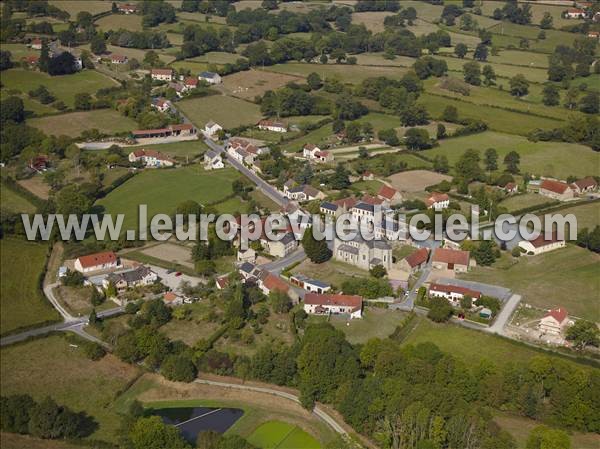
375,323
536,74
130,22
75,6
22,303
518,202
558,159
229,112
107,121
62,87
281,435
502,119
163,189
186,149
316,137
567,277
354,74
588,215
51,367
12,201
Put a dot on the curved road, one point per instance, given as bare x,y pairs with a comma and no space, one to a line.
317,411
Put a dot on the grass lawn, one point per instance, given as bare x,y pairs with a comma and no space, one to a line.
332,271
75,6
63,87
82,384
16,441
130,22
229,112
106,121
558,159
588,215
353,74
163,189
282,435
400,252
186,149
264,201
196,327
371,187
316,137
519,57
375,323
568,277
517,202
469,345
497,119
520,428
533,73
23,305
12,201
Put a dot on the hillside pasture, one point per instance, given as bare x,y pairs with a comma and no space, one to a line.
106,121
229,112
74,7
13,201
557,159
353,74
114,22
23,304
251,83
63,87
372,20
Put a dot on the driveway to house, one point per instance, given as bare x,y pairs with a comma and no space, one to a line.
283,394
500,323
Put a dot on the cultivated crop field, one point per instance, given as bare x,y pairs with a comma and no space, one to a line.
106,121
163,189
229,112
249,84
416,180
63,87
23,304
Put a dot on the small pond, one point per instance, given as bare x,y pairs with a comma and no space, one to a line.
192,420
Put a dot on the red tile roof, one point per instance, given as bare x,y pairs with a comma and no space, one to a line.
554,186
119,58
559,314
348,203
436,197
541,240
272,123
191,81
273,282
417,258
326,299
162,71
586,182
92,260
181,127
222,282
372,200
453,256
170,297
455,289
387,192
310,146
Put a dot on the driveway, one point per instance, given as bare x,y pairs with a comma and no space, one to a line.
500,323
172,281
496,291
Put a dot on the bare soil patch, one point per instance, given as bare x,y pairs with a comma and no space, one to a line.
416,180
251,83
171,252
37,186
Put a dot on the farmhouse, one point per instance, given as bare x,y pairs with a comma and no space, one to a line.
118,59
362,253
270,125
213,160
554,322
162,74
36,44
39,163
437,201
556,190
453,293
368,176
315,154
450,259
584,185
541,244
151,158
283,246
190,83
373,201
326,304
32,60
312,285
389,194
272,283
415,261
210,77
161,104
248,255
303,193
98,261
594,35
511,187
574,13
137,277
126,8
211,129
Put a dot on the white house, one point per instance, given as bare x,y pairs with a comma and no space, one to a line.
36,44
126,8
213,160
437,201
211,129
326,304
161,104
95,262
210,77
554,322
303,193
162,74
140,276
151,158
248,255
118,59
556,190
270,125
541,244
585,185
452,293
315,154
574,13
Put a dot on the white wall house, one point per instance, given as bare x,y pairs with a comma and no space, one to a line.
97,262
326,304
541,244
554,322
210,77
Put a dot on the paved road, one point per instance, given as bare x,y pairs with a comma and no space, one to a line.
48,291
277,266
261,184
317,410
504,315
75,325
